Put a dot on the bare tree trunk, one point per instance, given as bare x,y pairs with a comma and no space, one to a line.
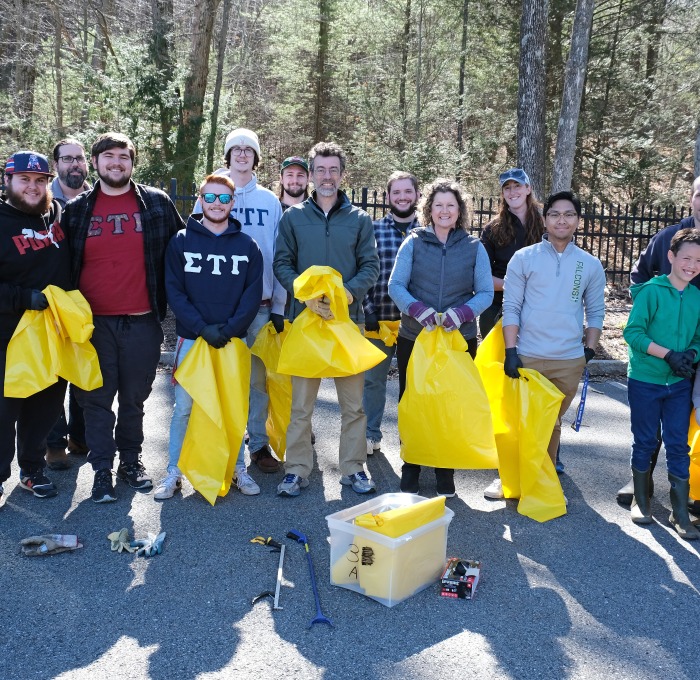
696,164
58,71
462,70
576,65
161,52
192,117
531,92
85,110
419,68
653,31
221,55
104,11
27,51
404,72
324,11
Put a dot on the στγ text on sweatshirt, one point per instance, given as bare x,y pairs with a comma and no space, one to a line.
212,279
546,293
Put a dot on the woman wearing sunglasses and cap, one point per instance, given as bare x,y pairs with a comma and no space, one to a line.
519,223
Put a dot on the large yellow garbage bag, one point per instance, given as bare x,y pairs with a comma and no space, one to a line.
316,348
218,380
267,347
53,343
387,333
489,361
399,521
444,415
694,443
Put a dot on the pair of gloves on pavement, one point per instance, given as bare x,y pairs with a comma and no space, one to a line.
427,317
214,334
143,547
322,306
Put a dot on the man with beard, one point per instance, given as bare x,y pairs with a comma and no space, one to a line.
294,181
118,233
390,231
70,165
33,255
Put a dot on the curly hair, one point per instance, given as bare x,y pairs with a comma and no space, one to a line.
502,227
442,185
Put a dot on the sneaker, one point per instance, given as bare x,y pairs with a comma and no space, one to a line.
494,490
38,483
134,474
361,482
409,479
291,485
445,482
102,487
167,487
57,459
372,447
264,460
245,483
694,506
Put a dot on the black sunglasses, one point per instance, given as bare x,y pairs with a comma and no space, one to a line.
224,199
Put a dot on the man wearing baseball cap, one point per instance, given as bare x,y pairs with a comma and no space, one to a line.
33,255
294,181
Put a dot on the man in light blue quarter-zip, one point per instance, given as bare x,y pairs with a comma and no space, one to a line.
548,288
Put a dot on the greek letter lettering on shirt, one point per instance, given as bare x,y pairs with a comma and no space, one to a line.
117,221
30,239
193,263
245,213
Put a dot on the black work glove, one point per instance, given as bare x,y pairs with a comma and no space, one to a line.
277,322
38,301
512,363
214,336
681,363
589,353
371,322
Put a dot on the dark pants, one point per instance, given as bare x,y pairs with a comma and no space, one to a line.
489,317
26,422
404,347
74,427
128,348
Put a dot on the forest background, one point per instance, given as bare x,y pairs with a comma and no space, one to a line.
602,96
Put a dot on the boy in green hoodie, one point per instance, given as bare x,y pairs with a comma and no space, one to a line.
663,338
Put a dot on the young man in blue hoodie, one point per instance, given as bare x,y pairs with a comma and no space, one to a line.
213,280
663,338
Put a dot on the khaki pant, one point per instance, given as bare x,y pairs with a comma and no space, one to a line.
352,453
565,374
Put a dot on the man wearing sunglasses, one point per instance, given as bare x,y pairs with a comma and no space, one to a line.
213,280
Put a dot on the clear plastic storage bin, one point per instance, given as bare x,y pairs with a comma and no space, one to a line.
386,569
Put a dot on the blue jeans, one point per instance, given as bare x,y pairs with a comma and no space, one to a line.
258,401
374,394
669,404
181,417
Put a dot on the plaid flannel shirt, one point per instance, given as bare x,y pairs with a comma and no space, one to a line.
160,221
389,238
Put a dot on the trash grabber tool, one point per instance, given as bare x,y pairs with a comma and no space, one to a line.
301,538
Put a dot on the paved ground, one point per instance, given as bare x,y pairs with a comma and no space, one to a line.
589,595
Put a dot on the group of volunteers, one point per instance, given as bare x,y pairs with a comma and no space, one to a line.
229,271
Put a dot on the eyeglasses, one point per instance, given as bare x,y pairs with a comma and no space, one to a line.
247,151
69,160
224,199
321,172
569,215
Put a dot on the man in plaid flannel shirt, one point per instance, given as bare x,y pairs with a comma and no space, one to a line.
390,231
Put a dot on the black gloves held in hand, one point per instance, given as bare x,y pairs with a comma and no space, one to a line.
512,363
38,301
277,322
681,363
588,353
371,323
214,335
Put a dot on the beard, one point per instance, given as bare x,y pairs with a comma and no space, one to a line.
17,201
114,183
73,179
294,192
403,214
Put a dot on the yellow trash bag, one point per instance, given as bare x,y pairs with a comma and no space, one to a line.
694,443
387,333
218,380
489,360
316,348
399,521
267,347
444,415
530,406
53,343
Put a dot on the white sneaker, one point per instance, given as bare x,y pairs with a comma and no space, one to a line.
372,447
494,490
245,483
167,487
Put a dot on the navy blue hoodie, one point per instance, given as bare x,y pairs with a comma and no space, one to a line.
212,279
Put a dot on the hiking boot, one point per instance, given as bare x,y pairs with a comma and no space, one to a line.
245,483
445,482
77,448
360,482
57,459
134,474
409,478
291,485
168,486
38,483
264,460
494,490
102,487
372,446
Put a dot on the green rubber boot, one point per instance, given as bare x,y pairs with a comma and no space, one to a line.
640,510
680,488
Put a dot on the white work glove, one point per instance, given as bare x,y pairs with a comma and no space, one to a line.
320,306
